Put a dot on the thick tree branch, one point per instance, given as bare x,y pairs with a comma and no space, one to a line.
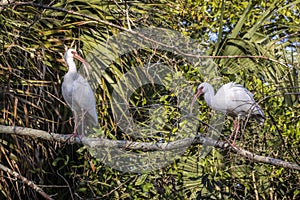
144,146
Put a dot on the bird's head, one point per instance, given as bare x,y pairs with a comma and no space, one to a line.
70,54
201,89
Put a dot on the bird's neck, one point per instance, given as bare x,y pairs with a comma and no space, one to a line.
209,95
71,65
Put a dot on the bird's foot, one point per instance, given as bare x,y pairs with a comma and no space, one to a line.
71,138
230,141
75,135
233,144
80,136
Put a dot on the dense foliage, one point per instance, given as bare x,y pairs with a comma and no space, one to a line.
265,34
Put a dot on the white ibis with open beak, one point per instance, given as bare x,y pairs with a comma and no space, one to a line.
78,94
231,99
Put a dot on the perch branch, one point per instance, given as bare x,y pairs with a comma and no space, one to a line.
145,146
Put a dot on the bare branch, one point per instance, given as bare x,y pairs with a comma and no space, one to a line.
144,146
26,181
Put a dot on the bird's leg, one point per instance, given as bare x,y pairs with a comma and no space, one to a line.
75,124
83,112
82,122
234,129
74,134
237,130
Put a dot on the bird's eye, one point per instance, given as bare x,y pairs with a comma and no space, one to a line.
201,88
73,52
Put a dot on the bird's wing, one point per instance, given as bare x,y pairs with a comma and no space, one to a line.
83,98
245,101
242,90
67,89
234,99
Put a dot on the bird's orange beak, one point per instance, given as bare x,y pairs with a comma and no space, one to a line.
85,64
78,57
199,92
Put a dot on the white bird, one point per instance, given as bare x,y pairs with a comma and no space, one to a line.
231,99
78,94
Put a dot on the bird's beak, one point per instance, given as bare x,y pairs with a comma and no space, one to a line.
78,57
199,92
85,64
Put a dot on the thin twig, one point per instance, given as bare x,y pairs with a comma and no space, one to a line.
70,190
254,185
175,48
26,181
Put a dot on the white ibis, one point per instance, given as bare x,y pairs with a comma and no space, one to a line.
231,99
78,93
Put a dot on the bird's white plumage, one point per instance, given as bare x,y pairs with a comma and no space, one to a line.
77,92
80,97
232,99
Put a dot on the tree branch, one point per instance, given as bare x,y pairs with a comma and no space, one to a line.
26,181
144,146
